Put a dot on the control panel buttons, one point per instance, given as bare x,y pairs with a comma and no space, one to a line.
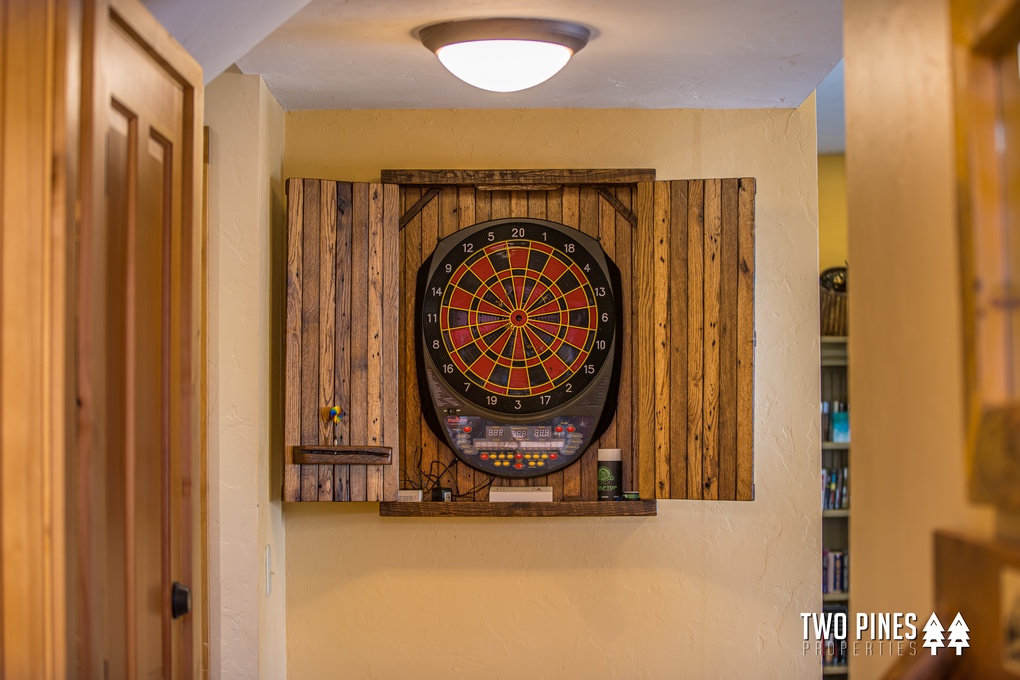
519,466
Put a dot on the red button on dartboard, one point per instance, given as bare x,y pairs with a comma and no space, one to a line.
519,466
484,456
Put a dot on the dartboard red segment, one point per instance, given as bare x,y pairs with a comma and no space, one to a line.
517,326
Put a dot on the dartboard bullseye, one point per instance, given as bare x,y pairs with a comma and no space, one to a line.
517,336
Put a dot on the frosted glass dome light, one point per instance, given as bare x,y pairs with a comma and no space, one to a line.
504,55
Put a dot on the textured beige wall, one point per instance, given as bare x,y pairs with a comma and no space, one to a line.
832,247
246,205
906,377
705,590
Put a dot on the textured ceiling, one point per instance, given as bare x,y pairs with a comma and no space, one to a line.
218,32
361,54
831,116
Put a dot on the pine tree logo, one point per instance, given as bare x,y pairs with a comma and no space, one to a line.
933,634
958,634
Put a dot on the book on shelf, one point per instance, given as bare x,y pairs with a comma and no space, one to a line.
835,488
835,571
835,422
836,651
841,427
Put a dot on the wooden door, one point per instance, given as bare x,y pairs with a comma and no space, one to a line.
987,102
138,532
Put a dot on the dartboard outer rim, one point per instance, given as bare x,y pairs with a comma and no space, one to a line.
609,357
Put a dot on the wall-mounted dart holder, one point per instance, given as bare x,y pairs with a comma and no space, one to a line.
338,453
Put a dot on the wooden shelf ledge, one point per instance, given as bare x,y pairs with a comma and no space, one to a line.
486,509
343,455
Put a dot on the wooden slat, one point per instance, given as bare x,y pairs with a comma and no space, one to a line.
607,239
429,455
518,203
554,213
624,407
728,273
710,408
589,222
374,372
642,508
411,432
466,475
745,342
448,224
391,337
695,334
310,336
500,204
327,325
643,340
537,210
360,211
483,213
342,343
571,208
292,369
494,178
661,329
678,339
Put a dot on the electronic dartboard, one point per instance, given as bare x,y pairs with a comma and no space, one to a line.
518,326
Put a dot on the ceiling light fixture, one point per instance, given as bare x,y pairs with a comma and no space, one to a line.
504,55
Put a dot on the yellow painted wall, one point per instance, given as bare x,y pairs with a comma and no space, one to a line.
246,208
906,375
832,246
705,590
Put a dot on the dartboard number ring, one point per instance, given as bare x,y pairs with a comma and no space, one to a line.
518,316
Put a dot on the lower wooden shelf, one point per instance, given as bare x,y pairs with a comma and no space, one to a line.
485,509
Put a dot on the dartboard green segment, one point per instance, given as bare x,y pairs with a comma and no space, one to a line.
519,317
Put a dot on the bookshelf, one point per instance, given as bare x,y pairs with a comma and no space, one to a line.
835,485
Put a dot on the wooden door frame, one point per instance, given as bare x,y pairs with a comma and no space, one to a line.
980,32
51,171
38,181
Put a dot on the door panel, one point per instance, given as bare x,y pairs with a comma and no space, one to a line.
139,253
140,211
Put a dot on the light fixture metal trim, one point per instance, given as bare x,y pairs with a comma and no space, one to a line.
570,35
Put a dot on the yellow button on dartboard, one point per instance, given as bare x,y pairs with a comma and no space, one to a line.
531,463
544,456
527,455
541,463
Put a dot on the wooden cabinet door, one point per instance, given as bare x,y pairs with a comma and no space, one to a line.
139,533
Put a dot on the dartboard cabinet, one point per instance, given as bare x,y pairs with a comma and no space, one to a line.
497,327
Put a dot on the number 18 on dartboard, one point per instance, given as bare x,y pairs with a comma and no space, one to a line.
518,337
